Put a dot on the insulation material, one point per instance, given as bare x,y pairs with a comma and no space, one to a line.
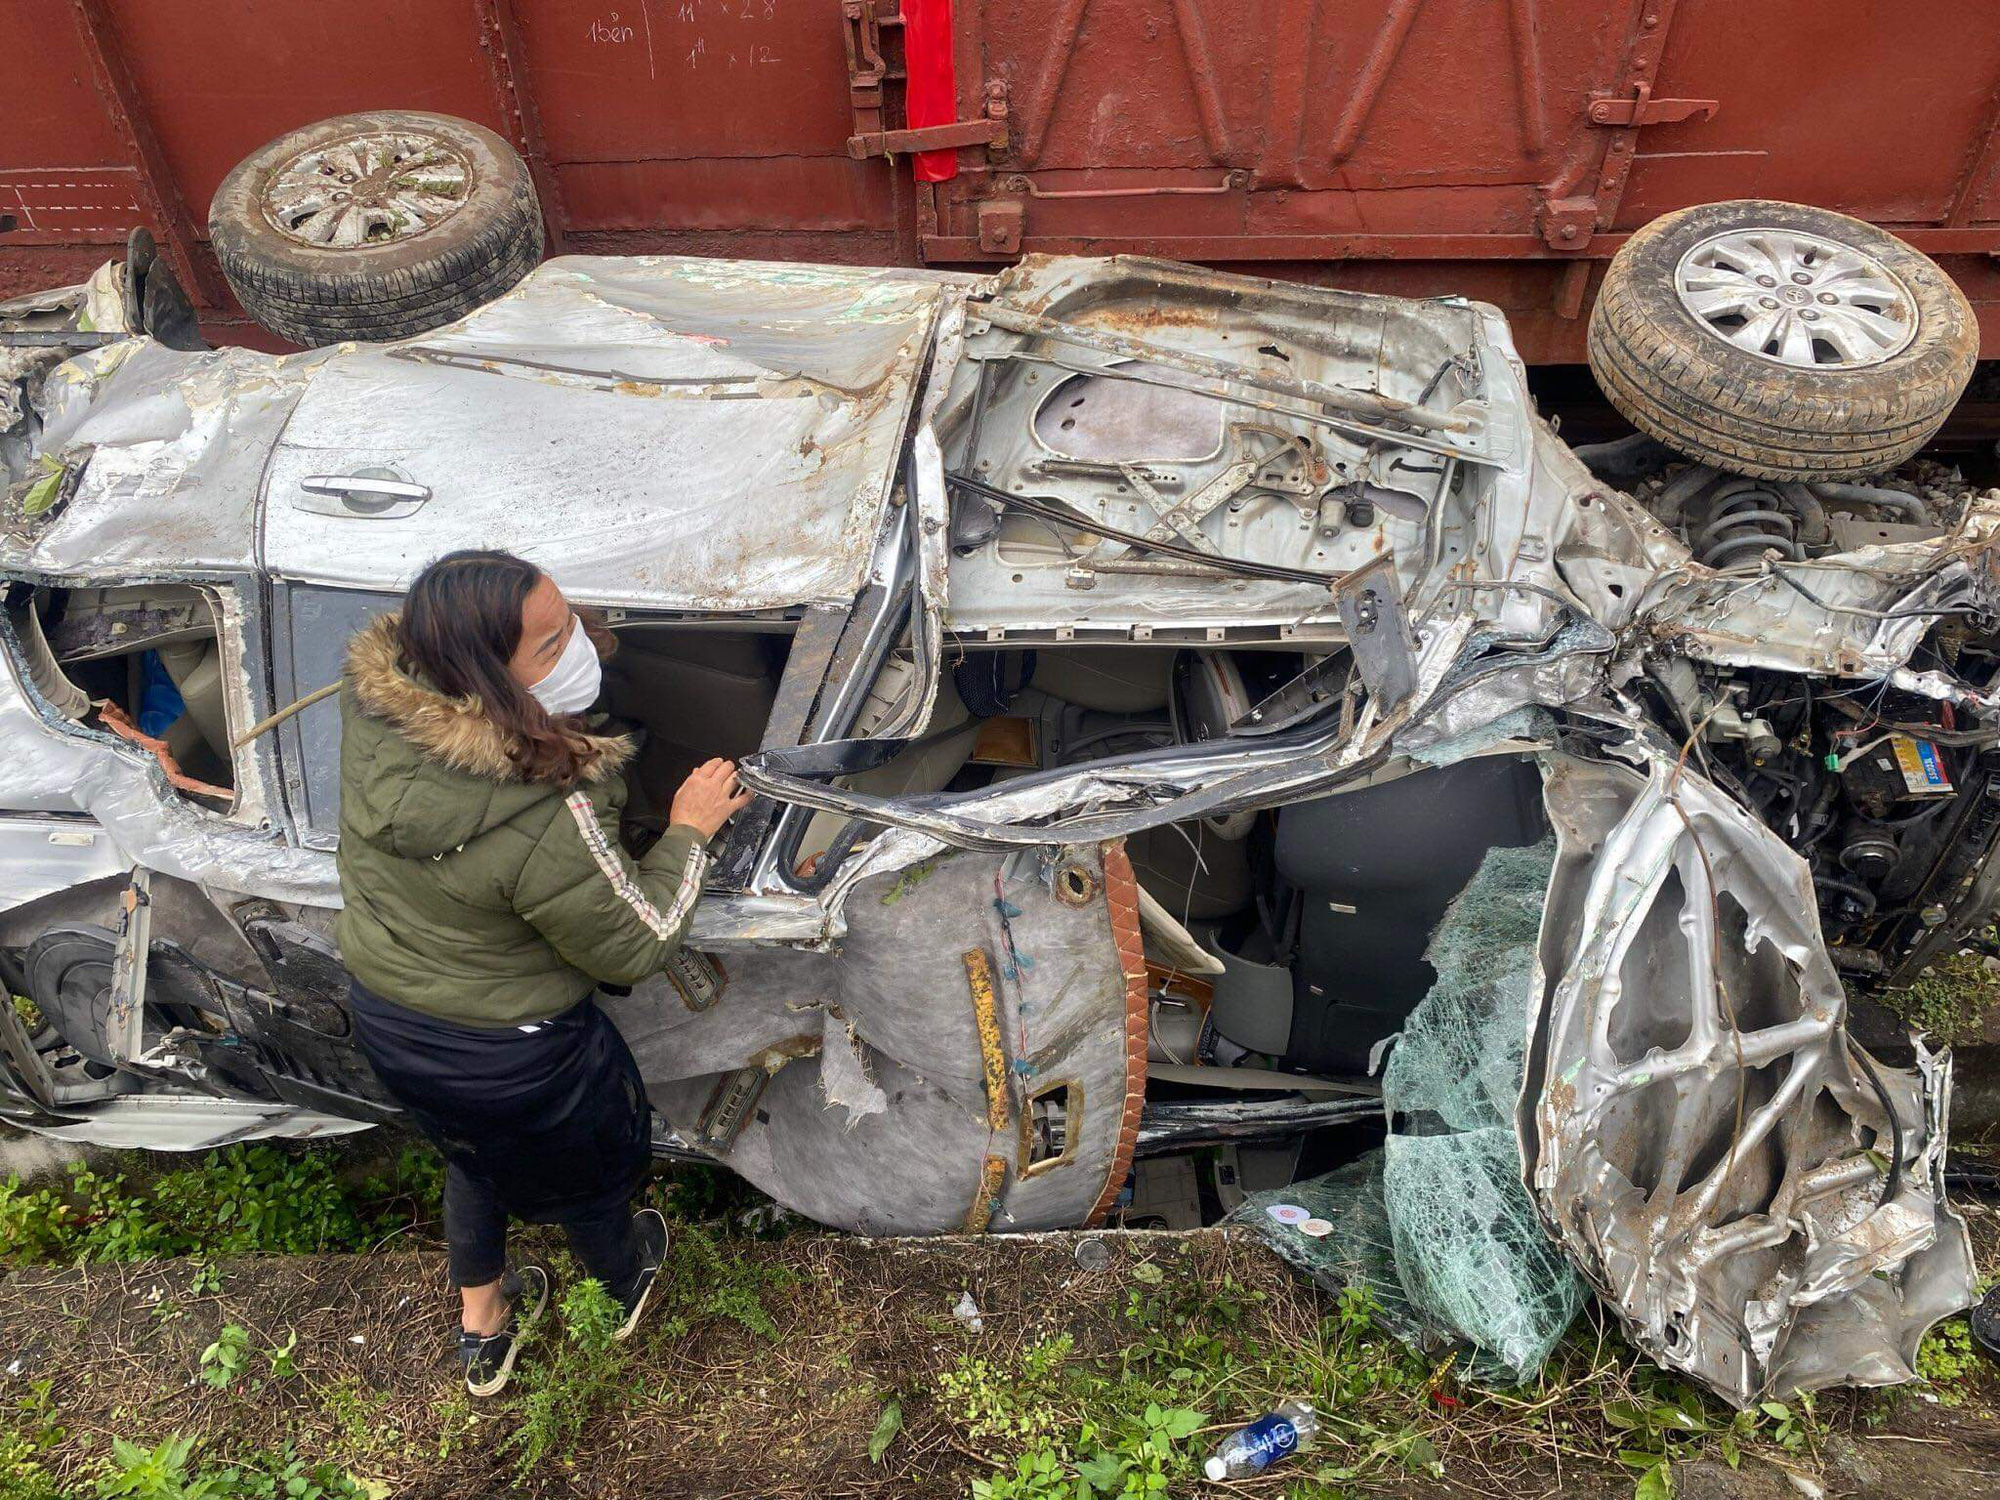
1438,1224
879,1115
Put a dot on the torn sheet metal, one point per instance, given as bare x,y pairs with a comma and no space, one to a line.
1350,428
1853,614
53,766
188,1122
1703,1137
693,435
172,446
655,432
48,854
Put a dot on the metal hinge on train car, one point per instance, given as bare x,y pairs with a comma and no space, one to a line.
868,70
1641,108
1568,220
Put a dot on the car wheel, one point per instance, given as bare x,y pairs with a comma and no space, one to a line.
67,974
1781,341
375,226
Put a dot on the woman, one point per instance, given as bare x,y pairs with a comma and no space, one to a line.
486,897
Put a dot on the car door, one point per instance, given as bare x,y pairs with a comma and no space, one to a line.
684,439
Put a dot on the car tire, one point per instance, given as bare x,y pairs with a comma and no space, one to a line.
1848,350
326,235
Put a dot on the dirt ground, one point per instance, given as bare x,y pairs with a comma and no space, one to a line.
714,1408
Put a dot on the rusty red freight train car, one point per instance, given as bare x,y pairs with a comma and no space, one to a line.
1497,148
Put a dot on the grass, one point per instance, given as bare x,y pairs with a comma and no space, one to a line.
571,1370
818,1364
1200,1358
243,1200
1950,1000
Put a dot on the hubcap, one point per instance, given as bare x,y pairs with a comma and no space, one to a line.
371,189
1797,299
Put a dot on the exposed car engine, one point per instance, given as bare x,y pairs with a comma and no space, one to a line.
1884,787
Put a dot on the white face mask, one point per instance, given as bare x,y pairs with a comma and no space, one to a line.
572,683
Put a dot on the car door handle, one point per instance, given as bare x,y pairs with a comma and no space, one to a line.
371,494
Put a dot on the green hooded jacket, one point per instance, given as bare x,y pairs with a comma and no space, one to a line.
470,894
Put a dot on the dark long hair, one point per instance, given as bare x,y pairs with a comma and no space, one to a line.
461,625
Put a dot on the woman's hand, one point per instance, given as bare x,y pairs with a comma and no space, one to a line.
709,798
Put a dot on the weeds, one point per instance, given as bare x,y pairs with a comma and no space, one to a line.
239,1201
32,1434
224,1362
572,1372
283,1364
1950,999
1944,1358
1121,1425
169,1471
698,1280
1017,1401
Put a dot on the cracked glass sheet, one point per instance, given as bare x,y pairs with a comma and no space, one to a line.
656,432
1703,1137
1438,1224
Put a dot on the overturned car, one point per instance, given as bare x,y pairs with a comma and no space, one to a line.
1135,662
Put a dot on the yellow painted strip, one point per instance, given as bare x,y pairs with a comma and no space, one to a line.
986,1013
991,1176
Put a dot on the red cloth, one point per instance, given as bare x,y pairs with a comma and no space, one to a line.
930,95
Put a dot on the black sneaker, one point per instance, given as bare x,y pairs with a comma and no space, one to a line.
1985,1322
489,1358
651,1228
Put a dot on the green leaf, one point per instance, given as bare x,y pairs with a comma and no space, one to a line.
1420,1453
41,494
886,1427
1731,1453
1624,1415
1655,1484
1148,1273
1182,1422
1776,1410
1675,1417
1103,1471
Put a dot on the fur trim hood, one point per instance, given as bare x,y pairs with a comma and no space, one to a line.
454,732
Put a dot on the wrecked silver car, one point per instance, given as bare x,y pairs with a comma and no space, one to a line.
1135,663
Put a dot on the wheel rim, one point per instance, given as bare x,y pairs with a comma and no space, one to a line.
1796,299
370,189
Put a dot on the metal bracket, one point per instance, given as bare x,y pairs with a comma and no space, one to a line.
128,968
1370,601
729,1108
1643,109
989,133
869,72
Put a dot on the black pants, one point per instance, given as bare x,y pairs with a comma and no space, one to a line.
547,1123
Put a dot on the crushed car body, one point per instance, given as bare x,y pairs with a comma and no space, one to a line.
1134,662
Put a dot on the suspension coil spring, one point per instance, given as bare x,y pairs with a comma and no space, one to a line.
1746,519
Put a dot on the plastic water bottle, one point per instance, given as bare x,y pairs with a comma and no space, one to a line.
1273,1436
